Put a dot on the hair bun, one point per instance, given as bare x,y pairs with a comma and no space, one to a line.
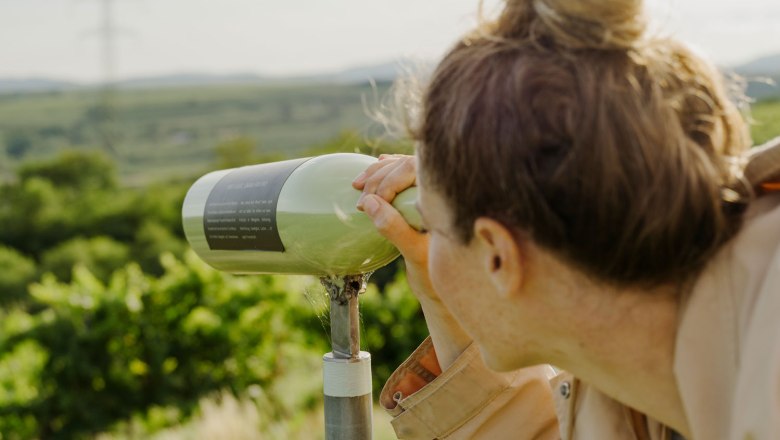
575,24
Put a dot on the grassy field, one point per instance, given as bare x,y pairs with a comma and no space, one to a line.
173,132
766,121
168,133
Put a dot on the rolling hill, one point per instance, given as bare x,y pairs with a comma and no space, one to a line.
763,77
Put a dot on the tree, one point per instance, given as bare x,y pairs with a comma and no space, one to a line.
351,141
18,145
16,272
101,255
74,169
235,152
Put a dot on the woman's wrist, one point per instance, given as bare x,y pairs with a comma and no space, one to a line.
448,337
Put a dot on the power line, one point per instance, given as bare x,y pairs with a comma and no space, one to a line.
108,36
105,112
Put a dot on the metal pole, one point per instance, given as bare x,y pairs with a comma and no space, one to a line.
346,370
105,122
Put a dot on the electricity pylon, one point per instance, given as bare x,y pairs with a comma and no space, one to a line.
104,114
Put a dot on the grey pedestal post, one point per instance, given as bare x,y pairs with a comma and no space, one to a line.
346,370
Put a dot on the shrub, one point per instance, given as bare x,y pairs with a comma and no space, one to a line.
101,352
52,203
101,255
32,215
18,144
151,241
74,169
16,272
351,141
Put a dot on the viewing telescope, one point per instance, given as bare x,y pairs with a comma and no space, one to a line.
300,217
291,217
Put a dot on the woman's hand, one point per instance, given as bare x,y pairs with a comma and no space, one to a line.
380,183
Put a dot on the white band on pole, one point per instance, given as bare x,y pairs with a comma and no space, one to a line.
346,377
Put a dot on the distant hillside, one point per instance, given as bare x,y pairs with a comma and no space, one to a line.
763,76
190,79
763,87
383,72
173,131
380,72
23,85
768,65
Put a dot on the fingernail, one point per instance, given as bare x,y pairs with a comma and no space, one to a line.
359,204
370,205
360,177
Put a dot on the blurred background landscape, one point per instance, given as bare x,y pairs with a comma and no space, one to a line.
110,327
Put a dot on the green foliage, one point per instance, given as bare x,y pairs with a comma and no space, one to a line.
20,385
351,141
235,152
97,344
79,170
101,255
766,121
18,144
169,132
29,212
152,240
161,204
97,353
16,272
240,151
52,203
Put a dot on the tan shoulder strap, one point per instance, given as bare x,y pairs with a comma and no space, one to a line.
763,167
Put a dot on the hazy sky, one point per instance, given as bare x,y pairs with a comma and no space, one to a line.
58,38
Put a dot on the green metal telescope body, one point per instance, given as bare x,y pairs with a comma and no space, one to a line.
320,228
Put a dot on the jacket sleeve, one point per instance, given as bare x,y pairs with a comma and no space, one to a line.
756,404
468,400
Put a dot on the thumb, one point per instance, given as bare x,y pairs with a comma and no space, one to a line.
390,224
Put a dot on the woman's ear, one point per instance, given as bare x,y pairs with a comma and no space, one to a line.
500,254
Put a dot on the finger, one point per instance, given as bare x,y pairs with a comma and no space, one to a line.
390,224
390,156
376,178
402,176
360,180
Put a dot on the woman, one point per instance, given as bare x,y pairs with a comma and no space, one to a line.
587,206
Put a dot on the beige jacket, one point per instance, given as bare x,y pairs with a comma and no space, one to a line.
727,364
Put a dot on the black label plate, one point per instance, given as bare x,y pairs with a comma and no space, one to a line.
240,212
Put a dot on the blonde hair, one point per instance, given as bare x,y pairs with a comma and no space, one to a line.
568,123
